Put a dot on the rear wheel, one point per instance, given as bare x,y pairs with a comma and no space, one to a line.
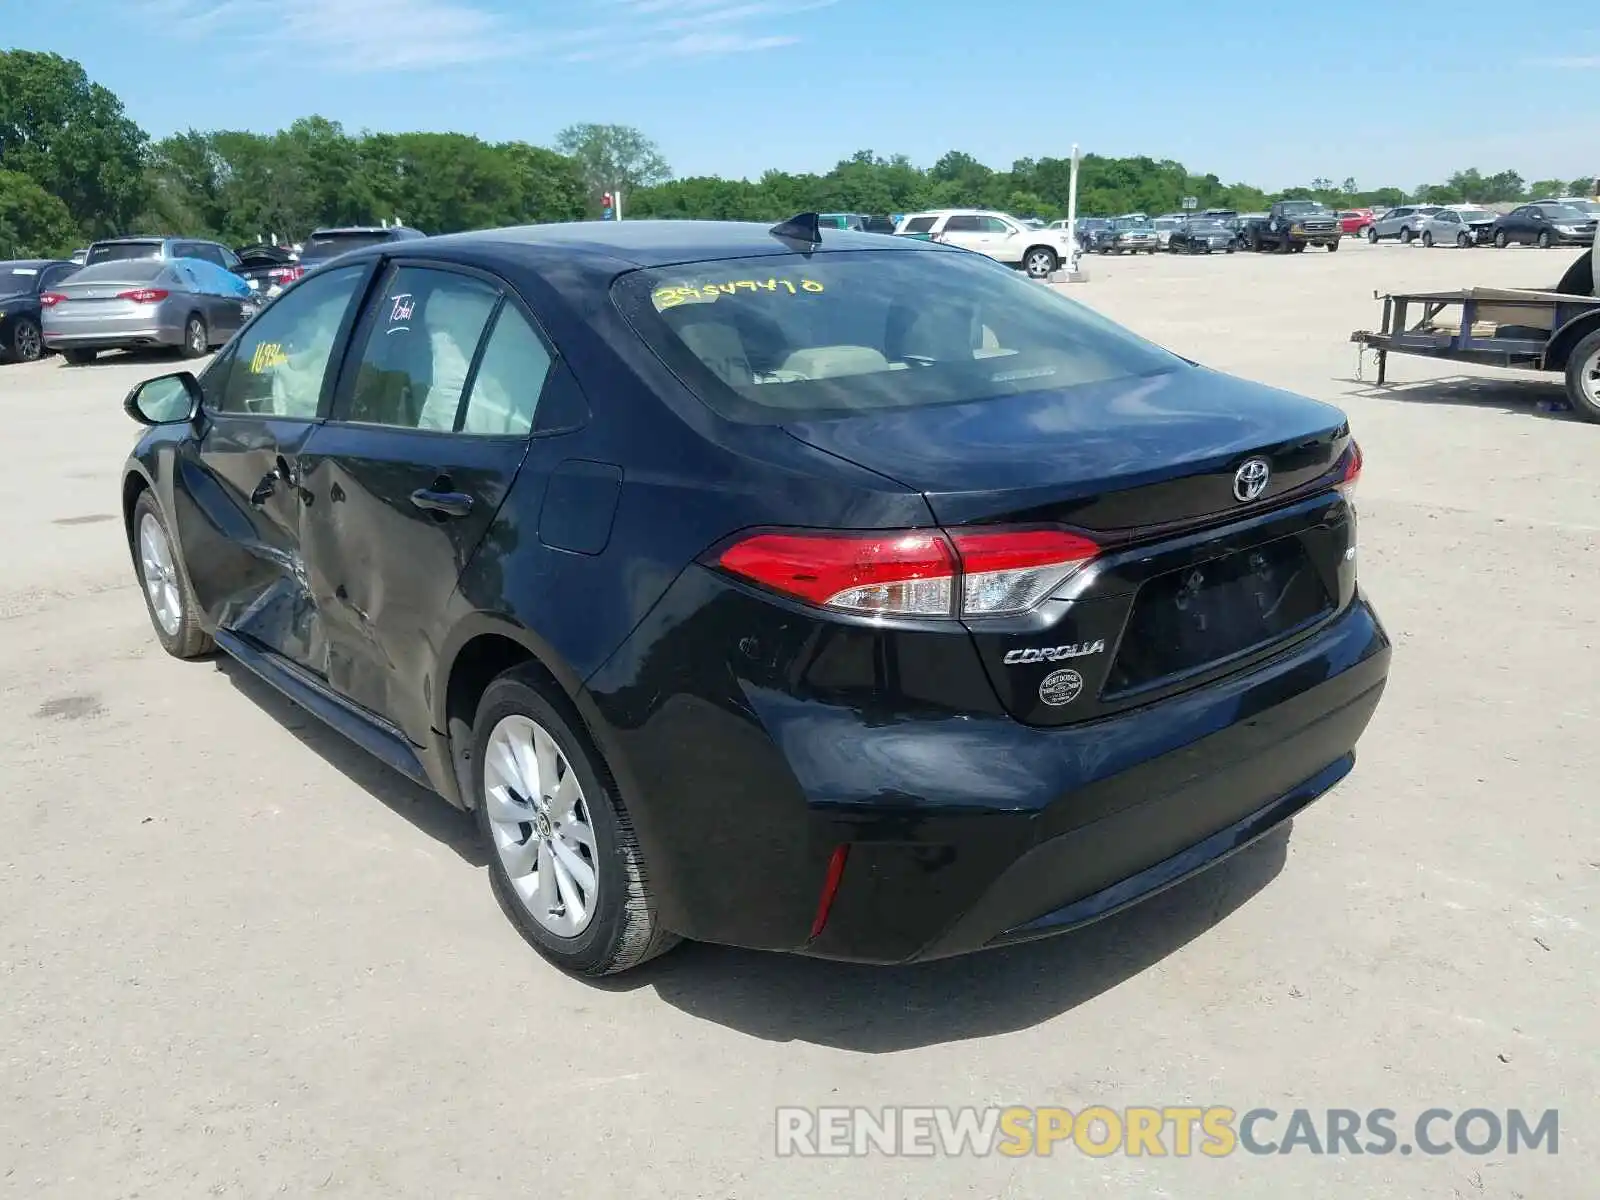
167,595
1583,377
563,860
1372,234
1405,235
196,341
1545,240
1039,262
27,345
79,358
1427,238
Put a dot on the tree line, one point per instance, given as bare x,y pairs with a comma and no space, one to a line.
74,166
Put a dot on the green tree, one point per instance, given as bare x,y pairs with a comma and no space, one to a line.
70,136
613,156
33,223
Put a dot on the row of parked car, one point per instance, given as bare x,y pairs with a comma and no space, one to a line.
1545,223
146,292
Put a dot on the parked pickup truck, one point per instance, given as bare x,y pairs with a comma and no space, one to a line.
1292,225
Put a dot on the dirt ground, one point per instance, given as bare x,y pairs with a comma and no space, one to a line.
238,958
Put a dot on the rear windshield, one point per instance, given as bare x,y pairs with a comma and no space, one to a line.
786,337
122,251
126,271
322,246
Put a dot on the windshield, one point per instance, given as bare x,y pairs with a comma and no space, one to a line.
1209,225
1301,208
1474,214
320,246
18,279
791,337
122,251
1169,223
1132,223
1563,212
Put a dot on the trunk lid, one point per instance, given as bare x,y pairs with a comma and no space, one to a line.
1193,583
1121,456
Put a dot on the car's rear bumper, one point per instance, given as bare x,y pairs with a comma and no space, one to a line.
970,831
113,339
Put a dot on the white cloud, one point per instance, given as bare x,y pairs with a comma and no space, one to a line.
401,35
1584,62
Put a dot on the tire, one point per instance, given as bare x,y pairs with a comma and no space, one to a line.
1463,241
1040,262
168,597
196,340
1427,239
27,342
619,928
1333,246
1297,248
1545,240
79,358
1405,235
1372,234
1501,241
1583,377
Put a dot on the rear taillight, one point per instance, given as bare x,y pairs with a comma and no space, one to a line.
144,295
51,299
915,572
285,274
1351,475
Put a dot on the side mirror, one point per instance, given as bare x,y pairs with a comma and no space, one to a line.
164,400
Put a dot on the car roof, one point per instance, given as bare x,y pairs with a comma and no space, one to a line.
653,243
362,229
12,264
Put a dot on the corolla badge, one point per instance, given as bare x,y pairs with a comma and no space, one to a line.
1250,480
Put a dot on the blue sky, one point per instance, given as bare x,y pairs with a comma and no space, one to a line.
1273,92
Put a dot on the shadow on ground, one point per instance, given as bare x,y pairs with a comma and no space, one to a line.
1519,396
429,812
871,1010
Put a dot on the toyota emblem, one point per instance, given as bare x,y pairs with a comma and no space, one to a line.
1250,480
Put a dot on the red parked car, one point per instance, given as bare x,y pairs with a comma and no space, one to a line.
1355,220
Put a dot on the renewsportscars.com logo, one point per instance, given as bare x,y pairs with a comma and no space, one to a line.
1157,1132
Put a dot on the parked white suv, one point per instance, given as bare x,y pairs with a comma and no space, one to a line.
1004,239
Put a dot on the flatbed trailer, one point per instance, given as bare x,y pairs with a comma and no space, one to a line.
1497,327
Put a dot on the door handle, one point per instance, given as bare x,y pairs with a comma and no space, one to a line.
447,504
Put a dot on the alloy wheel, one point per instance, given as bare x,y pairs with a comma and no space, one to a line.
159,576
197,338
1040,264
1589,378
29,344
540,821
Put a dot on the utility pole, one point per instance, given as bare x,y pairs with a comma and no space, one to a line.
619,201
1075,271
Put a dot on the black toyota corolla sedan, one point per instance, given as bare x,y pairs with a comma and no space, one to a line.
788,588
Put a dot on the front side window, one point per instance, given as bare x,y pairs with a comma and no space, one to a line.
962,223
774,339
994,225
422,335
281,359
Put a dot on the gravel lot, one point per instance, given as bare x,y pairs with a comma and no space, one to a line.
239,958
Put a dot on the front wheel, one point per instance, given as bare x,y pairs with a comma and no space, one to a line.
196,341
1463,241
1040,262
1545,240
1501,241
1333,245
1405,237
1372,234
167,595
1583,377
563,859
27,344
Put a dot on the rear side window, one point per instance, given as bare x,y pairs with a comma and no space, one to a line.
511,374
281,358
423,333
772,339
122,251
920,224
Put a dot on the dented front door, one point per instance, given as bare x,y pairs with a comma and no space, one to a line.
239,498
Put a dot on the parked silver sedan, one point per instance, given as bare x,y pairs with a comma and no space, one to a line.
189,305
1459,227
